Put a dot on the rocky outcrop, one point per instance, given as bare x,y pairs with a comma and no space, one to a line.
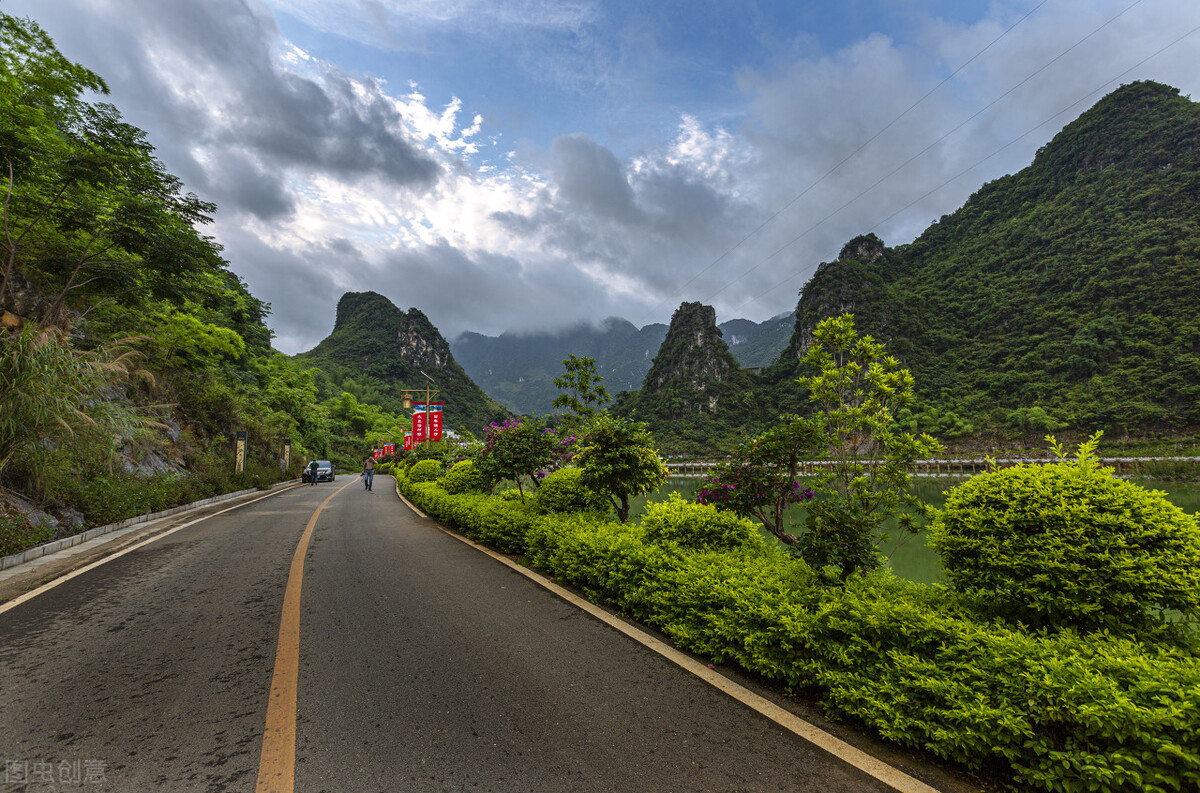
372,338
853,283
694,358
696,397
22,301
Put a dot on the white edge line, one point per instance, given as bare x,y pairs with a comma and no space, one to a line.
851,755
30,595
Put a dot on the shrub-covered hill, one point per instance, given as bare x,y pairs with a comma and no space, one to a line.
518,369
1064,294
380,350
696,397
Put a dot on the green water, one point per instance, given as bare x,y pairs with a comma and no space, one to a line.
911,559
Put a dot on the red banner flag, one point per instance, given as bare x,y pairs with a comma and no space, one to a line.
389,448
377,453
418,423
435,421
408,441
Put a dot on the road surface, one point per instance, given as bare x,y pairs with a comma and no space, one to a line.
423,665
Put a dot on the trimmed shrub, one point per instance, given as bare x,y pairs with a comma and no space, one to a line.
1059,712
562,491
700,527
500,523
1068,544
610,561
463,477
1055,712
424,471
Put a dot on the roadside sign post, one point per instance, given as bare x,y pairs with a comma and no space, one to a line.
239,452
421,418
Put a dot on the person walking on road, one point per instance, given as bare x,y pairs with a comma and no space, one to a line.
312,473
368,472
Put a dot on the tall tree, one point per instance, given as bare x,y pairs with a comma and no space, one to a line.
583,392
857,388
86,203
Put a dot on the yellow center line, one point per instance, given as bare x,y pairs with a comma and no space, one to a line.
277,766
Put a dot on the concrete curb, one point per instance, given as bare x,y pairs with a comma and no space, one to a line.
881,770
38,551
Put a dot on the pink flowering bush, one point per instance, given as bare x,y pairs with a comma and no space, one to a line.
522,448
759,481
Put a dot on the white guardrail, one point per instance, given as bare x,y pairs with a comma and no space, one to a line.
699,468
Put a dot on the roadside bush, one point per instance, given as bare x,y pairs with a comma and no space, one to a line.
700,527
500,523
1057,712
16,534
562,491
609,561
424,471
1067,544
463,477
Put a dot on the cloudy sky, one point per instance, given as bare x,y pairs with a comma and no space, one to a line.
528,164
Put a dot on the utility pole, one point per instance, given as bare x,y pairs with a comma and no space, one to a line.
430,393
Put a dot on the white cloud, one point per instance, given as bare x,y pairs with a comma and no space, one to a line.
330,180
412,25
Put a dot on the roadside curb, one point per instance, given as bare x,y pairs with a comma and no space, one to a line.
45,549
879,769
20,584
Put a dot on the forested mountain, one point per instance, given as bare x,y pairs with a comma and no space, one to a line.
131,353
758,344
376,351
1064,295
696,393
519,369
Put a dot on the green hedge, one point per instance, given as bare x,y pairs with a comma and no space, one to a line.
500,523
700,527
425,471
1052,711
1068,544
563,491
463,477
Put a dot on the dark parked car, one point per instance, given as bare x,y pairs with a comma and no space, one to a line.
324,471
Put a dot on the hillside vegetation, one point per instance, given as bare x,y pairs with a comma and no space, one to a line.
377,352
130,353
1059,298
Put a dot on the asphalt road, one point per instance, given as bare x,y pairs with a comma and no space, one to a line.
424,665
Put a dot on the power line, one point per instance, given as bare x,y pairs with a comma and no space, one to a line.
847,158
967,170
923,151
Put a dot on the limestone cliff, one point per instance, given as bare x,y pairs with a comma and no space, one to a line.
373,340
695,394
